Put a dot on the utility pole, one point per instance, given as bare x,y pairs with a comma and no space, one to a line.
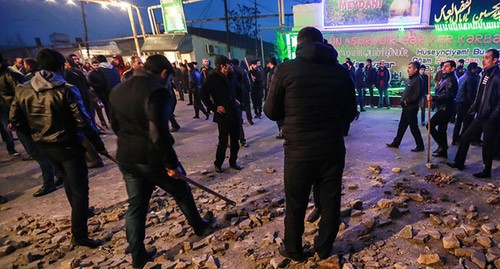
86,31
256,30
281,12
228,38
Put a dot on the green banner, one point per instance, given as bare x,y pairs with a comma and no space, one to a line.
173,16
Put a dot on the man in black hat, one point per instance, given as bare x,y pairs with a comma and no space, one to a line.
141,107
314,138
219,95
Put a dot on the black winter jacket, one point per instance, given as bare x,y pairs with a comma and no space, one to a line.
140,109
467,93
490,85
221,90
412,92
315,97
52,111
443,95
9,79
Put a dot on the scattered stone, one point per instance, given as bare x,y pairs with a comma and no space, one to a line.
70,264
279,262
451,221
270,170
246,224
415,197
394,213
450,242
406,232
421,238
488,228
484,241
459,232
6,250
472,208
376,169
463,252
493,200
439,178
479,259
331,263
435,234
385,203
198,245
219,246
212,263
435,220
431,165
429,259
396,170
357,204
470,230
353,186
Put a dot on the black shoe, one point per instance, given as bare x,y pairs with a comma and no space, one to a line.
442,153
296,257
207,116
280,136
363,110
189,104
196,117
245,145
251,122
483,174
456,165
218,168
236,166
314,216
417,149
3,200
44,190
140,262
391,145
59,181
29,158
86,242
204,230
14,153
174,129
96,165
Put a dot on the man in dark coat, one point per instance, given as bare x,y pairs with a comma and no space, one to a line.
103,80
382,80
257,79
219,95
141,108
359,82
486,111
425,90
409,103
370,74
443,101
314,142
58,133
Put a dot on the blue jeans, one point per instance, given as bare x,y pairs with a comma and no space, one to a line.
44,163
140,181
383,96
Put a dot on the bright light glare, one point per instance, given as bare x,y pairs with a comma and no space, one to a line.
104,6
50,1
71,3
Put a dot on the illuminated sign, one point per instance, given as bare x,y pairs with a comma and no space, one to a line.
173,16
349,13
458,15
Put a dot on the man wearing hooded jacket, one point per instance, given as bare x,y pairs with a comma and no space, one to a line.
58,133
315,97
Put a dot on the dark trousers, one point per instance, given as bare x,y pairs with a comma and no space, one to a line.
173,122
326,177
462,119
190,94
70,161
409,118
231,131
361,97
440,120
245,104
243,140
383,99
6,133
180,90
44,163
257,100
140,181
423,105
370,90
490,130
197,104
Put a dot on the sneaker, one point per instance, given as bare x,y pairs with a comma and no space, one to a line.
391,145
59,181
140,262
218,168
204,230
245,145
44,190
236,166
483,174
174,129
86,242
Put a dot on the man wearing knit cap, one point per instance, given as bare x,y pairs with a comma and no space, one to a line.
219,94
314,96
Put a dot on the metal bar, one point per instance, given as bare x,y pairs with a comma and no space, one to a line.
429,116
198,185
134,32
236,18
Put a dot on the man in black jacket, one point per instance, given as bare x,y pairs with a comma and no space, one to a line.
486,112
58,133
409,103
359,82
314,142
141,108
443,101
370,79
219,95
465,97
103,80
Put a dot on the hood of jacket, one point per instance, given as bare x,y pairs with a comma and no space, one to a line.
46,80
106,65
317,52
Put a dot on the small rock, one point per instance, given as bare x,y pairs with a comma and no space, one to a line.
357,204
415,197
435,234
431,165
330,263
246,224
279,262
70,264
376,169
270,170
484,241
459,232
6,250
493,200
435,220
463,252
488,228
406,232
429,259
394,213
472,208
385,203
212,263
479,259
450,242
353,186
421,238
396,170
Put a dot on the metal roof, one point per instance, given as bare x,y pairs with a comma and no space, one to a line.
181,43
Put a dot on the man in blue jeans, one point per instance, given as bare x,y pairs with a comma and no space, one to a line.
141,107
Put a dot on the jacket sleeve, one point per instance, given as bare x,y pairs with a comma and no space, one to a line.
18,118
495,107
445,94
206,92
82,118
274,107
415,91
159,111
350,111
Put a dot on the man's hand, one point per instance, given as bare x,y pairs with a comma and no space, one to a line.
429,97
11,127
221,109
175,173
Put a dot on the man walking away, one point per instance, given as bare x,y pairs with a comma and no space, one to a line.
58,133
465,97
409,103
141,109
486,111
314,142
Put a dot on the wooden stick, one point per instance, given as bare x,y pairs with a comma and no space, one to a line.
428,116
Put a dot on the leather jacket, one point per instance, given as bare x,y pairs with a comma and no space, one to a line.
52,111
444,93
490,85
9,79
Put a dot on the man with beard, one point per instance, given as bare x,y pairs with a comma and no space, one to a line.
314,142
219,95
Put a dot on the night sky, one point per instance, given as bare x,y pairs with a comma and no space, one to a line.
23,20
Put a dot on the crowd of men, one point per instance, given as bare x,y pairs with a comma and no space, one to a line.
52,103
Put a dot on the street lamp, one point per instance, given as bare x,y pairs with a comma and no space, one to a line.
116,3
